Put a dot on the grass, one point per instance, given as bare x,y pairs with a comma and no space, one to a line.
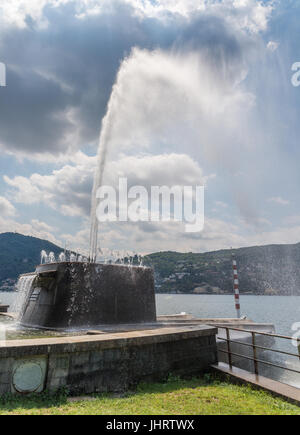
205,396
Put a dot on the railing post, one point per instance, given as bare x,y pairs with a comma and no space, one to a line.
254,353
298,347
229,347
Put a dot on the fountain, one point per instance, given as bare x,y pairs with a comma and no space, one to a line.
73,293
115,295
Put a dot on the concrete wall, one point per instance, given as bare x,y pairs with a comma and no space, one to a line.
105,363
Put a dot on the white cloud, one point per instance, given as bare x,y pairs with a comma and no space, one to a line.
16,11
154,237
165,106
42,226
68,87
252,15
221,204
272,46
6,208
34,228
279,200
158,170
280,235
146,237
68,190
291,220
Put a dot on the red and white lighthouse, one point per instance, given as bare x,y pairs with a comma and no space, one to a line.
236,287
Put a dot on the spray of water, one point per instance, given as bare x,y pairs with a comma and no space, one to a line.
52,258
73,258
174,99
23,288
98,179
44,257
62,257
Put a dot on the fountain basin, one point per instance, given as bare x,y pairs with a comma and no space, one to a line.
105,362
73,295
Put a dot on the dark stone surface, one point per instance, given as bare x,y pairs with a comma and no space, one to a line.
119,369
112,362
72,295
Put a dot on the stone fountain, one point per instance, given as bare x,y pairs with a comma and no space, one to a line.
78,295
119,344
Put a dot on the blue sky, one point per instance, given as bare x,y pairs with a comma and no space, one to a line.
202,93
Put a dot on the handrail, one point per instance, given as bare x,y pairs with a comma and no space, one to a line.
268,334
261,347
255,347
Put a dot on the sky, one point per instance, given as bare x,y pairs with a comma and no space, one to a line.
196,92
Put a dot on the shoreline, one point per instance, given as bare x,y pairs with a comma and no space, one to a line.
196,294
221,294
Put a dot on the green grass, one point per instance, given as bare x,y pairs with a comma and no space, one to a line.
187,397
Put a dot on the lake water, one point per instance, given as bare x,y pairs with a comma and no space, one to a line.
282,311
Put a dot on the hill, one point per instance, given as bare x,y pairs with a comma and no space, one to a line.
270,270
20,254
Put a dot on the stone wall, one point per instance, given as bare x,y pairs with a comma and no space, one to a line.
105,363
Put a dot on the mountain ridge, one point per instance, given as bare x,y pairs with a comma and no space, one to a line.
20,254
266,270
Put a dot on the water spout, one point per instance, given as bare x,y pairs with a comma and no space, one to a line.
44,257
23,288
52,257
62,257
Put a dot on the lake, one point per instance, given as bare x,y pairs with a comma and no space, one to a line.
282,311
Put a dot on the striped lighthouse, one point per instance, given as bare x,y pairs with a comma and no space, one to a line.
236,287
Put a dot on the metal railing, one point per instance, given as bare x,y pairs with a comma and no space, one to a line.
255,347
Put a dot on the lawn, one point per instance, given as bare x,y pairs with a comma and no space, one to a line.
186,397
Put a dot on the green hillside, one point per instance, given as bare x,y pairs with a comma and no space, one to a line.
20,254
268,270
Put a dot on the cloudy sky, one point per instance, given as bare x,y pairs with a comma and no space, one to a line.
196,91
